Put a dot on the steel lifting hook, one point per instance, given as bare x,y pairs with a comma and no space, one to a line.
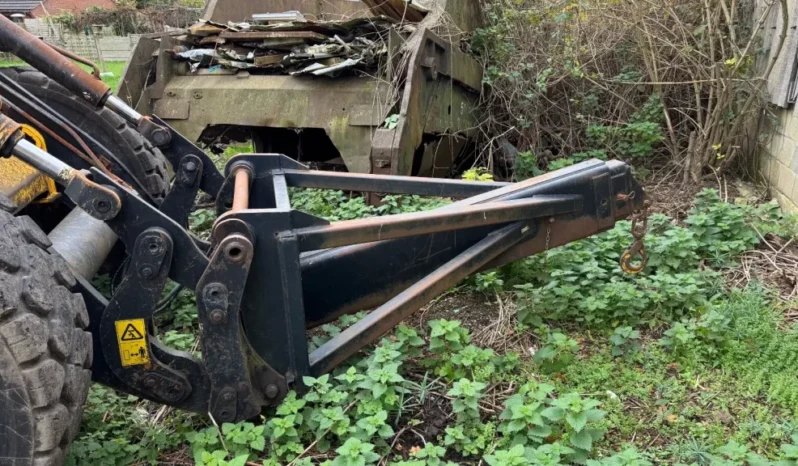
637,249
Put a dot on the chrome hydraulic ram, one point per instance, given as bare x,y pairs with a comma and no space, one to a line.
98,201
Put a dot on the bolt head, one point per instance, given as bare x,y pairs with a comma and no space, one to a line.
218,316
272,391
150,382
101,205
190,167
228,396
147,272
159,136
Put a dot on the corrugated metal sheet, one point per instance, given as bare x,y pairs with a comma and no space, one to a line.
17,6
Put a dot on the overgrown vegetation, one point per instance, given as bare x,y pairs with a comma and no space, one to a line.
573,79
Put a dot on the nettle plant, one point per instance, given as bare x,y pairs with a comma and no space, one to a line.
703,337
430,455
454,358
625,341
557,352
722,229
582,281
736,454
534,415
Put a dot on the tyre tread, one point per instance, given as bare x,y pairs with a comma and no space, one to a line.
42,324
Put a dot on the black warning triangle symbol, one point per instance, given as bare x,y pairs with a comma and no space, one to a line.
131,334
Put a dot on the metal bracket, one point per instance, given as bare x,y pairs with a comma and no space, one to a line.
227,355
134,300
180,199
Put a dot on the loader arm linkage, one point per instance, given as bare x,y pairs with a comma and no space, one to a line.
270,272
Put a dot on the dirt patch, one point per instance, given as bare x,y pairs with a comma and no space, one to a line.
669,196
490,319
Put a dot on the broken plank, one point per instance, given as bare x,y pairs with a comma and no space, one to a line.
209,40
203,30
266,60
260,35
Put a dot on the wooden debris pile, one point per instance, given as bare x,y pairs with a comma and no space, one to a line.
287,43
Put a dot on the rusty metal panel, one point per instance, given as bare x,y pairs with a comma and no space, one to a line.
284,102
434,101
138,71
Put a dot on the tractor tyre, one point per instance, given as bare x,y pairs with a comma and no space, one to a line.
145,162
45,351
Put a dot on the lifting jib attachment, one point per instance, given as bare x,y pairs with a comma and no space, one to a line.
275,271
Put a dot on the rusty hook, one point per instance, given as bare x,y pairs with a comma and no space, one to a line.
636,249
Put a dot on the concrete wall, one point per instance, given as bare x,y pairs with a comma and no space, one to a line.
779,159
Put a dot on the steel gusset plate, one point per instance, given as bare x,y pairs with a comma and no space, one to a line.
150,372
241,383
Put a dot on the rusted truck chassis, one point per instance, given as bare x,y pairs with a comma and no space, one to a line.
434,89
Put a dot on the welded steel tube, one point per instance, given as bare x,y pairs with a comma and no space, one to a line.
432,221
83,241
241,190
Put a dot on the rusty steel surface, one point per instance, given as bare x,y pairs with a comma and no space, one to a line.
44,58
241,190
347,108
10,134
406,256
397,226
389,184
439,96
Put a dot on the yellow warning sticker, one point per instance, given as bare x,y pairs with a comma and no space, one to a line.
131,335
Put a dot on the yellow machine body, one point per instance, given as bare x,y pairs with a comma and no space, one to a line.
21,182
